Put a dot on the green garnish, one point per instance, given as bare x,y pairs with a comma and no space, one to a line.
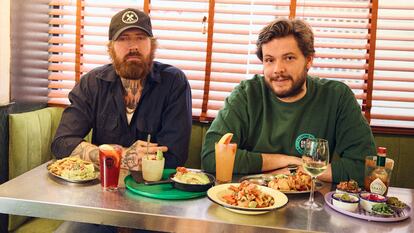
160,155
346,197
382,209
252,204
394,202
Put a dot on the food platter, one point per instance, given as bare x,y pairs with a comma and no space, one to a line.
57,168
215,193
362,214
264,179
76,181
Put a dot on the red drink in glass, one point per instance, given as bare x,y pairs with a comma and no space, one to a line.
109,163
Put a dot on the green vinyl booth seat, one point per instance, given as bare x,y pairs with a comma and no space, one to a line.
30,136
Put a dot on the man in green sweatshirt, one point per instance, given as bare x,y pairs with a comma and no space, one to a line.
272,115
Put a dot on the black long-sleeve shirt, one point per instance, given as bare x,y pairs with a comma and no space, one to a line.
97,103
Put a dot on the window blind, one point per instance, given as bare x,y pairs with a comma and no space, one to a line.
78,39
393,98
236,27
363,44
181,29
342,33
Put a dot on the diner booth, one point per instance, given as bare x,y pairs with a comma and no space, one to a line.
46,47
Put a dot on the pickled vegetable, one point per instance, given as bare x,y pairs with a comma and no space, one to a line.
395,202
382,209
346,197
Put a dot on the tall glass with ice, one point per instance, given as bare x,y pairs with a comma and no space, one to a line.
225,155
109,163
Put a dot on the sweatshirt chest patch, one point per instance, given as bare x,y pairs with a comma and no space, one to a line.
300,141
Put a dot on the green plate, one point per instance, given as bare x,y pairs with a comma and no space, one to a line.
160,191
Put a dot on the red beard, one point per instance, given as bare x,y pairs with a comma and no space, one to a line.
134,70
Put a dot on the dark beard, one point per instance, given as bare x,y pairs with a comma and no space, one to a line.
296,88
134,70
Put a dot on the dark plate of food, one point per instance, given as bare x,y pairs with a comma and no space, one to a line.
186,179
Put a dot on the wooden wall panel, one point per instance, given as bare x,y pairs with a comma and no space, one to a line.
400,149
406,163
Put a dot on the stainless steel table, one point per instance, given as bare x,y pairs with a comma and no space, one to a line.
38,194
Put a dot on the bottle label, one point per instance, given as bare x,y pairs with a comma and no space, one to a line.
378,187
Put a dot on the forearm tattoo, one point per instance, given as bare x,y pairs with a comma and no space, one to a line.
87,151
130,160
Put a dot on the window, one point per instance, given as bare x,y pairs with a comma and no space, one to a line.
183,40
393,90
362,43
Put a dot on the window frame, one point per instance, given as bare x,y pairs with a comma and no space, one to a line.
294,5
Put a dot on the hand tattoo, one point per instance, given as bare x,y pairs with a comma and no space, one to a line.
129,160
87,151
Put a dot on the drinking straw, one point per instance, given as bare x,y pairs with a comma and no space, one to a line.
148,142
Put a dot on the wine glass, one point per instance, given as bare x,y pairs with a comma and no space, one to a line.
315,161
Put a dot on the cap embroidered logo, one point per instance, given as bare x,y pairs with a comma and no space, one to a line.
129,17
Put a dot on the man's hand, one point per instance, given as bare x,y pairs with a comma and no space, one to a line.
279,171
325,176
132,157
88,152
277,161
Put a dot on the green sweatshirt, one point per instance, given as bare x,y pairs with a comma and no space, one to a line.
261,123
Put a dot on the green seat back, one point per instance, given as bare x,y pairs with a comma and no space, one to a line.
30,136
198,132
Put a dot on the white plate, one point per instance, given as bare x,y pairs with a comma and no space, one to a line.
215,192
246,212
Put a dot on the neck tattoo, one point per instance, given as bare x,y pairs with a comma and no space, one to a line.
133,90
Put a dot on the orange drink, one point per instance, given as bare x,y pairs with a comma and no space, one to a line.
110,164
225,155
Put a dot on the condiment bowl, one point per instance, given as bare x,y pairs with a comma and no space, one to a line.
350,187
345,201
343,192
367,200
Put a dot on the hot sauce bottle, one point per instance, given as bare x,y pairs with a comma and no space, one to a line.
378,177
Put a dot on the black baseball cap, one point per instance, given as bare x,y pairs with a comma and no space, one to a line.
129,18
